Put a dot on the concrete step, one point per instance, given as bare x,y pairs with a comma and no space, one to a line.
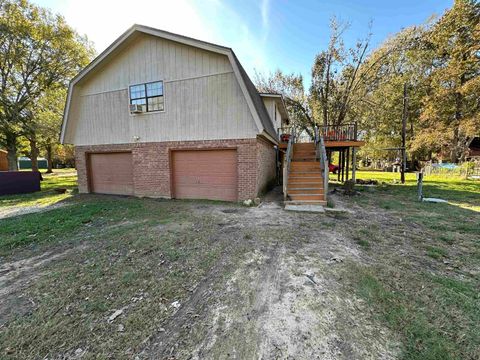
313,208
306,202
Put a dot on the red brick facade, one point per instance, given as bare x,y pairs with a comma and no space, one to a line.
151,164
266,167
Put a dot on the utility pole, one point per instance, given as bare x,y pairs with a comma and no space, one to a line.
404,134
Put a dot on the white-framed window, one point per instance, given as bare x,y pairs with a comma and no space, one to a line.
148,95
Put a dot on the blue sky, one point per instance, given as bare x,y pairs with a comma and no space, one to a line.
265,34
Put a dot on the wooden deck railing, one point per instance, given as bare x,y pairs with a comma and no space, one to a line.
345,132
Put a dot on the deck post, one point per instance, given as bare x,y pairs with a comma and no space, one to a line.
348,162
339,164
342,164
354,164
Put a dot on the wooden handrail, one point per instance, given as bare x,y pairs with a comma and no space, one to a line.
286,169
321,154
326,170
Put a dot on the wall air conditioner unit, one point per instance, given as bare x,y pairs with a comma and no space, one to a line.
136,109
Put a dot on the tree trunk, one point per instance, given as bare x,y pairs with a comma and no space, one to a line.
34,153
49,157
11,142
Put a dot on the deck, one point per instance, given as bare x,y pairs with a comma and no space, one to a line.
335,136
340,139
333,144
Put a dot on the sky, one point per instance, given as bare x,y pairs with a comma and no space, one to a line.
265,34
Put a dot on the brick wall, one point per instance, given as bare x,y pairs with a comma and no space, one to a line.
151,164
266,167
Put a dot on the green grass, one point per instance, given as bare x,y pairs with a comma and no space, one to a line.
426,330
139,255
417,273
61,178
423,280
459,192
436,252
56,224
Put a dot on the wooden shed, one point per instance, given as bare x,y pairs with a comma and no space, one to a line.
3,160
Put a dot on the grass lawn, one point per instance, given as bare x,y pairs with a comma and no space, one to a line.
134,255
413,266
60,178
424,279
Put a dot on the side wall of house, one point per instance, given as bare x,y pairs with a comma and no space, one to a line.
266,165
273,111
203,99
152,165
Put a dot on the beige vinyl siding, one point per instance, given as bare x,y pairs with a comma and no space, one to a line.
278,122
203,99
270,106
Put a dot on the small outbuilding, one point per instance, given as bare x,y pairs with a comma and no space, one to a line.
3,160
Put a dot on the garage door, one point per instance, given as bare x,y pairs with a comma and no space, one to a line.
205,174
111,173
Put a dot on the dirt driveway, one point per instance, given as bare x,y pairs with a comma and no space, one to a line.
282,300
272,291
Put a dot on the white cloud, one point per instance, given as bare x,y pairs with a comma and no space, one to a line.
209,20
103,21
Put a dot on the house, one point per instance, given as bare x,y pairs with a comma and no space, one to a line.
3,160
163,115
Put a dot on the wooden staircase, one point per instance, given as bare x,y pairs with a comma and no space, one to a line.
305,180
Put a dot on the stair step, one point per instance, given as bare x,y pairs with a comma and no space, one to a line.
304,173
306,185
304,163
304,152
306,196
294,187
307,180
304,144
304,191
306,168
314,164
303,159
303,184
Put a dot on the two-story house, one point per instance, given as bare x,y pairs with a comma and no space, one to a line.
162,115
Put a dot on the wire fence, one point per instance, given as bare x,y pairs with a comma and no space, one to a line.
468,169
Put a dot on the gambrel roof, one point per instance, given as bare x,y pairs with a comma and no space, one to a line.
254,101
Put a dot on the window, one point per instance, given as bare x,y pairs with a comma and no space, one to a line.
149,96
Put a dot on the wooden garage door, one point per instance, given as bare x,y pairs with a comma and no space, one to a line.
111,173
205,174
